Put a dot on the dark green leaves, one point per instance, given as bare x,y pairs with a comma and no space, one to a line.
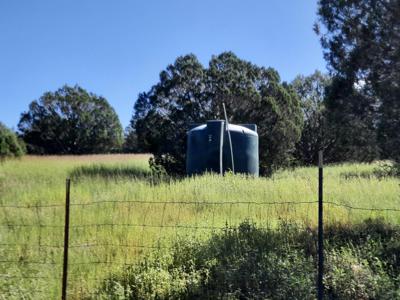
189,93
315,135
71,121
10,146
361,41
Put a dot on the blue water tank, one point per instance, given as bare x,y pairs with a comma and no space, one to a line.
208,148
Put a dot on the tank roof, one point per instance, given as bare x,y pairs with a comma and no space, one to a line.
231,127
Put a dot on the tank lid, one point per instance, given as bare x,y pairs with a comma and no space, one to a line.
231,127
250,126
199,127
242,129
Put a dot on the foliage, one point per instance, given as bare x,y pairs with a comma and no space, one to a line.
253,263
361,41
386,169
10,146
131,144
315,136
188,93
350,276
162,114
351,122
70,121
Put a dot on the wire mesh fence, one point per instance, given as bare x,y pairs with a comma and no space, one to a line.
105,236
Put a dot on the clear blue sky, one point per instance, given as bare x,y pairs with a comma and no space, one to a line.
117,48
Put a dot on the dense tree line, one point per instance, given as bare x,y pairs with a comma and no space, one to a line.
352,113
189,93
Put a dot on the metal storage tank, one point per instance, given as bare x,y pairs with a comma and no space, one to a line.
208,148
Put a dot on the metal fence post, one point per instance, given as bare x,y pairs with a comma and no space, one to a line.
66,240
320,283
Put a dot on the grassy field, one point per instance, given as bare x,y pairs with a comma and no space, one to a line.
119,211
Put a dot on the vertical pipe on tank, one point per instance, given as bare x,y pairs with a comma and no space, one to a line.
229,138
221,148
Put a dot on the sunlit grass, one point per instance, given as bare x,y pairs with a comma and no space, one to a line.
119,211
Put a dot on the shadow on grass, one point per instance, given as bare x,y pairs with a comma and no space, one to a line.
385,170
117,172
363,174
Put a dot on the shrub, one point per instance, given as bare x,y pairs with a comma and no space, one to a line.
10,146
349,276
253,263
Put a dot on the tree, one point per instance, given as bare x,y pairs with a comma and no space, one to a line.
10,146
255,94
131,144
70,121
189,93
351,122
163,114
361,41
315,136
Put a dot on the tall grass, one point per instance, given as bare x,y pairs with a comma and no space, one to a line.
361,262
120,211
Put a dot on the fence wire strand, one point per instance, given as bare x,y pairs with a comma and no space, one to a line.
124,230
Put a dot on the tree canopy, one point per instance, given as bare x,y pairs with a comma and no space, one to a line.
70,121
315,136
131,144
10,146
189,93
361,41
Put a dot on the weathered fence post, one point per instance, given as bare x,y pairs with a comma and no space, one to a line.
66,240
320,283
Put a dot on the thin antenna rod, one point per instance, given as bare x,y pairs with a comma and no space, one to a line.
229,137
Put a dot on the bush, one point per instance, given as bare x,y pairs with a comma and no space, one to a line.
253,263
10,146
349,276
